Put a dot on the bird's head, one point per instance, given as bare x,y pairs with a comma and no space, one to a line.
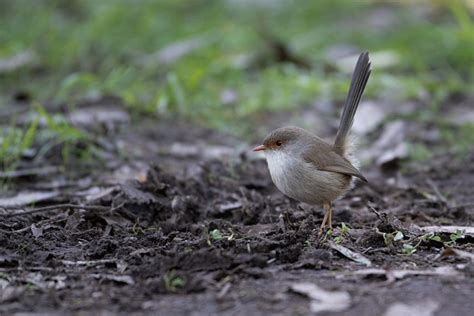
285,140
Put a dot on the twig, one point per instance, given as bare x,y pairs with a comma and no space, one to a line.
379,215
54,207
438,194
21,230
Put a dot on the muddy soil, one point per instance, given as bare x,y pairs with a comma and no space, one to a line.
172,225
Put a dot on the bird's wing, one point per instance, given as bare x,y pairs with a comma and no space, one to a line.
326,159
345,168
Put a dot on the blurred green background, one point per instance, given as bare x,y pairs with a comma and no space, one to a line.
219,63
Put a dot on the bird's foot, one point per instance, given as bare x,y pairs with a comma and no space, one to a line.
327,220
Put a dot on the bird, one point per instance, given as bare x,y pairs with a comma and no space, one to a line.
309,169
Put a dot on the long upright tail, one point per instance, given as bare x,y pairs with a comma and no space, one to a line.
359,80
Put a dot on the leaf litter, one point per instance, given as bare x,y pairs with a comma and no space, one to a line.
217,228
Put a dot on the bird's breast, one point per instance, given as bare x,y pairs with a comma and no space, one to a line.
302,181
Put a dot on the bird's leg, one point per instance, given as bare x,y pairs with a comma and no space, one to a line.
327,216
330,215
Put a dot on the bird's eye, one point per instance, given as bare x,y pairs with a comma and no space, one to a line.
278,142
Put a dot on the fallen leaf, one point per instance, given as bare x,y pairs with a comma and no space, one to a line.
393,133
36,231
391,156
96,193
354,256
25,198
368,116
322,300
390,147
423,308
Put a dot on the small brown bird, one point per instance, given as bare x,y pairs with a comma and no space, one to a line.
307,168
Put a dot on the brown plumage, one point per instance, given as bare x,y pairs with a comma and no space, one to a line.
307,168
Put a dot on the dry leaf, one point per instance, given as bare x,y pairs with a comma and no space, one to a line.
368,116
354,256
322,300
36,231
25,198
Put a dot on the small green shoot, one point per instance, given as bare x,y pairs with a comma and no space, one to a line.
338,239
216,234
341,233
23,248
398,236
390,238
408,249
329,233
344,229
173,282
137,229
459,234
433,237
15,142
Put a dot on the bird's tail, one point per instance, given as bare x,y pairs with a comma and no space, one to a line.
359,81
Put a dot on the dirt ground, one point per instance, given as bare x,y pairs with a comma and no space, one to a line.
180,220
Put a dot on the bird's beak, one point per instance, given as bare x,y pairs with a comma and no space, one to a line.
260,148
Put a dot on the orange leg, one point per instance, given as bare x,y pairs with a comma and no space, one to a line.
327,220
330,215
